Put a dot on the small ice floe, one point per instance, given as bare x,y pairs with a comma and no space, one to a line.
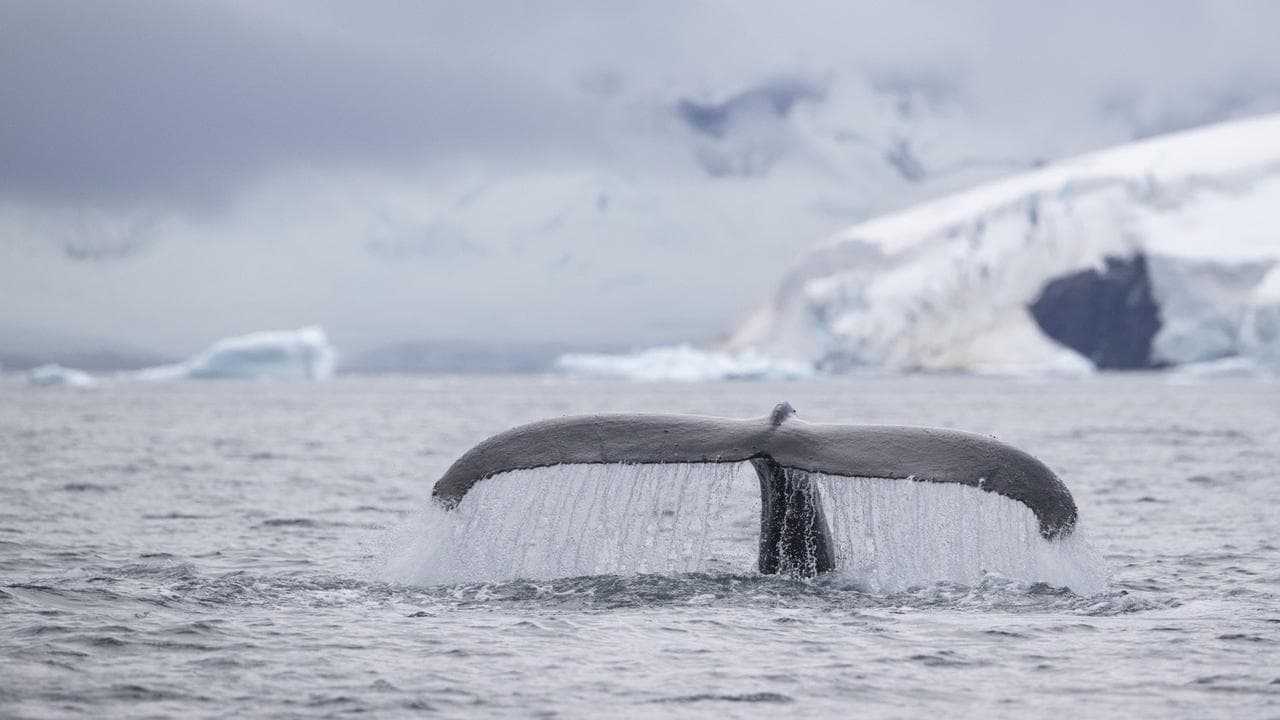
684,363
1227,367
56,375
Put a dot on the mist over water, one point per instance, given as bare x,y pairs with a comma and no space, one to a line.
223,549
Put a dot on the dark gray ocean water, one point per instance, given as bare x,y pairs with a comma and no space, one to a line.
218,550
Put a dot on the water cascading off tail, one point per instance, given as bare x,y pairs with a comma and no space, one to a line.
886,506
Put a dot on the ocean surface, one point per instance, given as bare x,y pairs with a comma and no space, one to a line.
229,549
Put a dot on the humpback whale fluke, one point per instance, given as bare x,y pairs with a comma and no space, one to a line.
794,534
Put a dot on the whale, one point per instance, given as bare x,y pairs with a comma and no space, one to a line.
786,453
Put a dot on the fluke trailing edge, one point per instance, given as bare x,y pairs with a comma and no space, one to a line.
794,535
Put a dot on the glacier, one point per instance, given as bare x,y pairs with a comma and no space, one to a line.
303,354
1158,253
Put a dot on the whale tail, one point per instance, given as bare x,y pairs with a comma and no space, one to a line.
790,458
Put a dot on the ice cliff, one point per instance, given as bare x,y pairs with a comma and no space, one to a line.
1157,253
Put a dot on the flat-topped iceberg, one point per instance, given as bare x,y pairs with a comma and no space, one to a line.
683,363
303,354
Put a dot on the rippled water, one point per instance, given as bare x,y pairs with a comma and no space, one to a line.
216,550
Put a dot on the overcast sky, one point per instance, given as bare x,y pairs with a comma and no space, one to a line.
174,171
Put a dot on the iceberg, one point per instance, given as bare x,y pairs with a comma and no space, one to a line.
1159,253
683,363
56,375
303,354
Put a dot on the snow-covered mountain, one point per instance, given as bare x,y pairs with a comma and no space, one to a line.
1159,252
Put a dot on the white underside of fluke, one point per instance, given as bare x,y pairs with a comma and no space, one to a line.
596,519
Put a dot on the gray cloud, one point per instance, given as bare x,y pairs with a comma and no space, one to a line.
183,103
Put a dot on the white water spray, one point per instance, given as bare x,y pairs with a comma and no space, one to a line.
595,519
890,535
571,520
